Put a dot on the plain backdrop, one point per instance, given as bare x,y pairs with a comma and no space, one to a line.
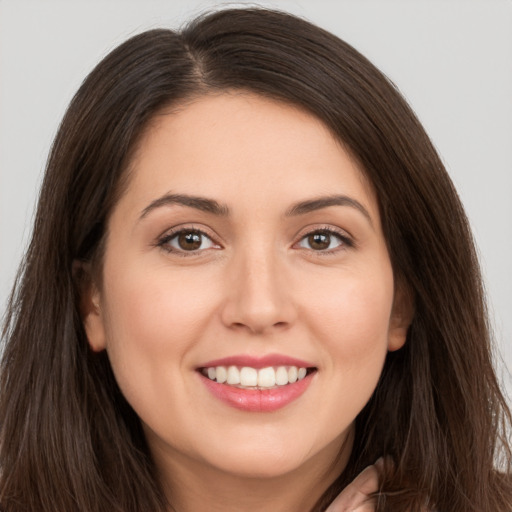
452,59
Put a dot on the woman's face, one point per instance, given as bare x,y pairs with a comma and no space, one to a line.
247,245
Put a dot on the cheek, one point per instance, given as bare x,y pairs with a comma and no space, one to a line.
155,312
155,319
351,318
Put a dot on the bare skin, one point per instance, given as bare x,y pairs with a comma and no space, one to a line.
276,271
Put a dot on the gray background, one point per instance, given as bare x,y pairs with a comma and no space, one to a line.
452,59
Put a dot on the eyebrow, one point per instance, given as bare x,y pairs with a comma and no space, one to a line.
214,207
199,203
325,202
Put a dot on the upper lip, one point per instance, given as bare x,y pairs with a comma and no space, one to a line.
258,362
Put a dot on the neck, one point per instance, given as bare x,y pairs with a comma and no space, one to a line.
193,485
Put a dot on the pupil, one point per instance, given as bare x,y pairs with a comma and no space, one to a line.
319,241
189,241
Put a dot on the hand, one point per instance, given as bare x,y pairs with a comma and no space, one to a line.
355,497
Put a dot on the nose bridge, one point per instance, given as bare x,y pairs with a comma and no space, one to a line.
257,297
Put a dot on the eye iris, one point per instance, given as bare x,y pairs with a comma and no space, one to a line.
189,241
319,241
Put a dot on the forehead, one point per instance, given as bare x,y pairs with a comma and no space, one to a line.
232,142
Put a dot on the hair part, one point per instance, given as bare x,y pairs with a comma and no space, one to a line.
70,441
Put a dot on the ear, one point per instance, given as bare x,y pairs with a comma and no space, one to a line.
401,317
89,304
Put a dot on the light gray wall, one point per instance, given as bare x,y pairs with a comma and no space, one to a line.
451,58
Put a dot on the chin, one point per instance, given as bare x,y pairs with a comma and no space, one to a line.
257,467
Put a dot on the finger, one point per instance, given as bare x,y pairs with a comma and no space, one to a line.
355,497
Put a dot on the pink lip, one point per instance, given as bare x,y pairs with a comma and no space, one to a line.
258,362
258,400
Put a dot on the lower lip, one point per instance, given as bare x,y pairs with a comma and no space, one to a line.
258,400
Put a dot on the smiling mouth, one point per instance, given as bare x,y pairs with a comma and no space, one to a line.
246,377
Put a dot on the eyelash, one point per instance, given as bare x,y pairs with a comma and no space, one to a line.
164,241
345,240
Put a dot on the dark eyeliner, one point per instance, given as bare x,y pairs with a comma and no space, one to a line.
347,242
163,241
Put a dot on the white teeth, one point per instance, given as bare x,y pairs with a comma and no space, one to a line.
233,376
222,374
251,377
267,377
292,374
281,376
248,376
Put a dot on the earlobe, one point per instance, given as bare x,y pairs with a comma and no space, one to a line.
90,306
401,317
92,319
396,338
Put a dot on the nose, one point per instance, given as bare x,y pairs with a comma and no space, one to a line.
258,296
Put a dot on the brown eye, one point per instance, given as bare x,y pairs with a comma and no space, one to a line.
322,241
187,240
319,241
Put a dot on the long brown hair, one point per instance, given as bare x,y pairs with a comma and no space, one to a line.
70,441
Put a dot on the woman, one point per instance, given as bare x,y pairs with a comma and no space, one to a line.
250,278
